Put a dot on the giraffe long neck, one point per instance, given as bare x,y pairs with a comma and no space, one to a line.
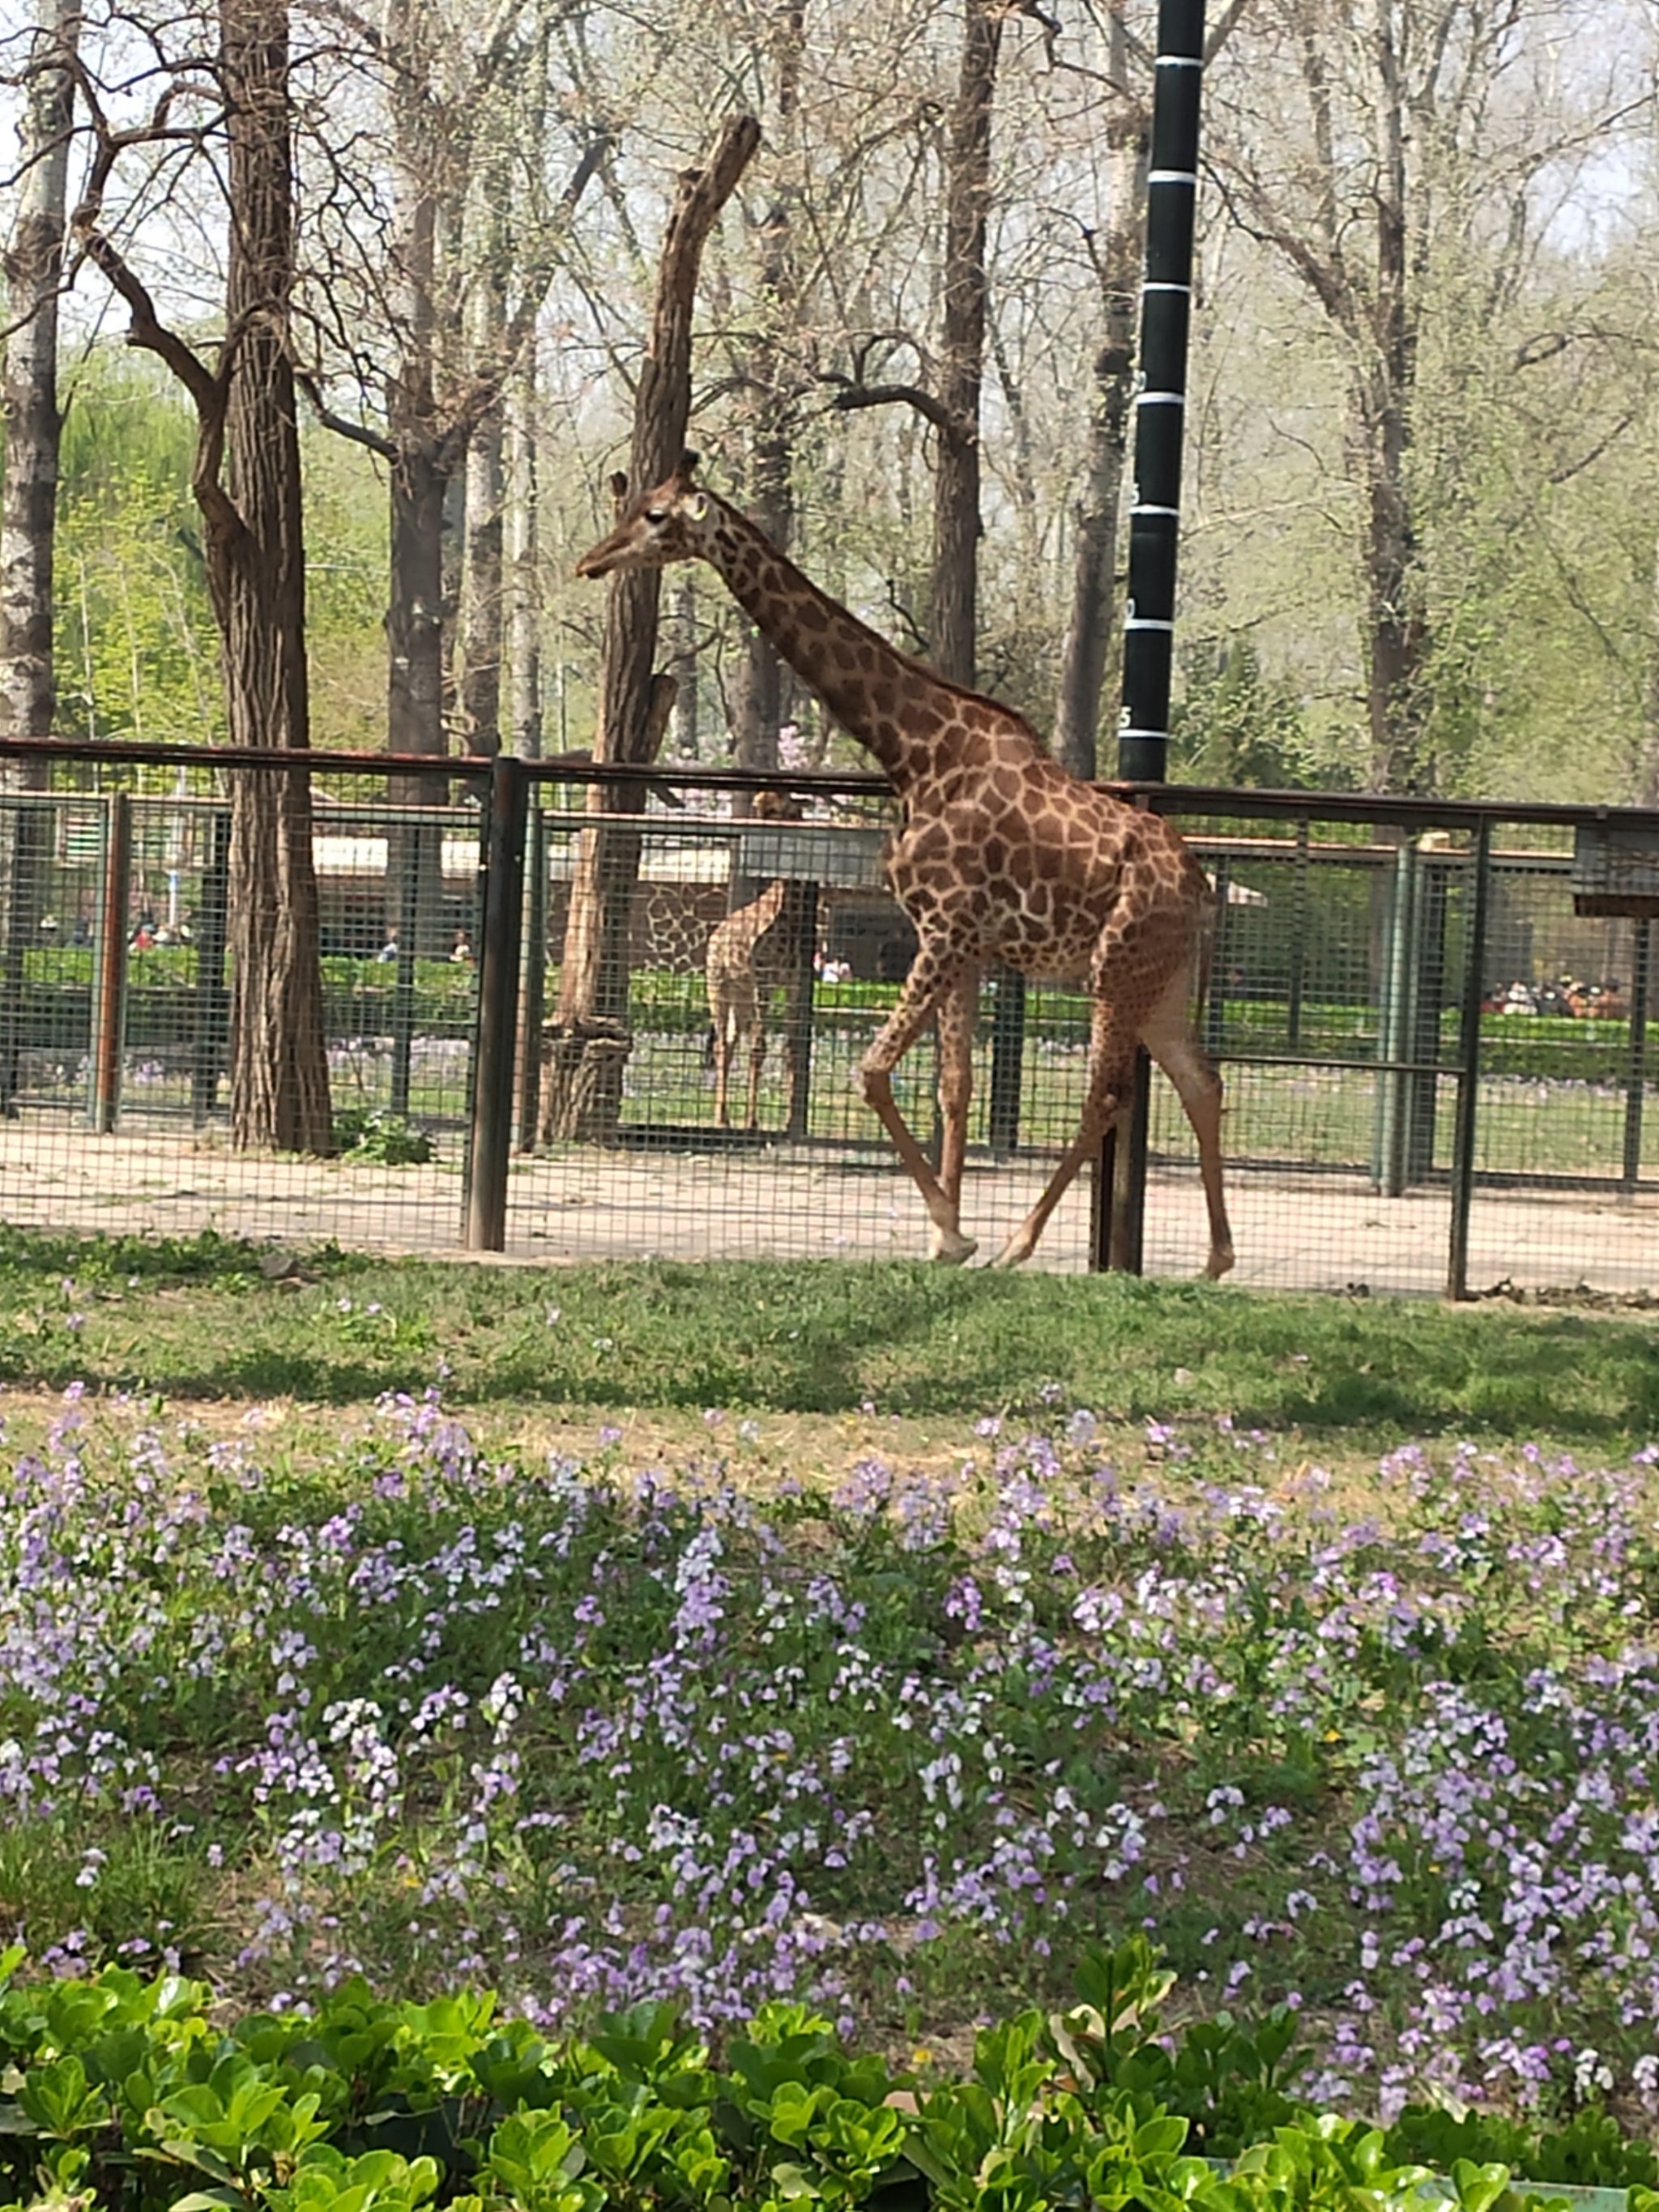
896,707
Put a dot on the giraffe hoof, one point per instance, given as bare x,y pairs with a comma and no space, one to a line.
951,1248
1219,1263
1015,1253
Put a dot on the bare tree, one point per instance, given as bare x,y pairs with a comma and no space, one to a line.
950,401
34,263
588,1039
246,484
436,391
1412,144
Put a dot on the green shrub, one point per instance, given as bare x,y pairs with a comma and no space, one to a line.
373,1133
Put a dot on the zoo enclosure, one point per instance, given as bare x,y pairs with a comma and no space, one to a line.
1372,960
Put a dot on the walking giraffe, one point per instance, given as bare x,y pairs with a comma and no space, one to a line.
1001,855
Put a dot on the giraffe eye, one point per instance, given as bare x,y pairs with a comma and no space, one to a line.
656,514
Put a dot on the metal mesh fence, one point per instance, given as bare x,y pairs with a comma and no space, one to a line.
1437,1068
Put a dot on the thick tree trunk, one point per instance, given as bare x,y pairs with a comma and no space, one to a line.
682,662
1645,767
521,557
28,502
769,387
1096,518
415,613
587,1041
953,626
279,1069
481,622
1395,635
768,383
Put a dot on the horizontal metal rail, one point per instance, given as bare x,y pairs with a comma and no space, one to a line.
1227,801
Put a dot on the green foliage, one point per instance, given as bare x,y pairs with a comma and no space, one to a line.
371,1133
1234,725
133,2095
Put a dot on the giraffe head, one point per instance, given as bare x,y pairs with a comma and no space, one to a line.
652,528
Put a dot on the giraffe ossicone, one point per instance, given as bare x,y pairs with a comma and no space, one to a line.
1001,855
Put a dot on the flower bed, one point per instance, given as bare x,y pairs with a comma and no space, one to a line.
1385,1753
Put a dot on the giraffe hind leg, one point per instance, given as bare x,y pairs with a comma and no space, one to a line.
937,968
1111,1069
1173,1042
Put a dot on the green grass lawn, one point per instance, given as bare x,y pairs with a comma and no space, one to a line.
198,1320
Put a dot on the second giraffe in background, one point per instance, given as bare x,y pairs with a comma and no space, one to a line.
749,955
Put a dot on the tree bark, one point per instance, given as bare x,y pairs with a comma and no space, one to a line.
588,1039
770,399
521,558
481,626
29,504
28,497
279,1066
953,626
1097,518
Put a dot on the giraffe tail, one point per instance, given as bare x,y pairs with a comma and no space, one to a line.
1204,962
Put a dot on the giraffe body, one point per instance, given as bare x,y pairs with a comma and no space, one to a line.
1001,855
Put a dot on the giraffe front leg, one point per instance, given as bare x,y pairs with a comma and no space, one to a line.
956,1010
935,970
756,1065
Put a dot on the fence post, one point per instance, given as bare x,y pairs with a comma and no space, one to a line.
801,904
405,840
1394,1030
212,1000
1298,982
112,965
1422,1091
1007,1061
490,1145
1469,1080
535,977
1215,998
1641,932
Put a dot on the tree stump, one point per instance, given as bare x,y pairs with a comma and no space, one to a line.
582,1066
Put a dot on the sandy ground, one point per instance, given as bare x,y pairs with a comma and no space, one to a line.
1292,1231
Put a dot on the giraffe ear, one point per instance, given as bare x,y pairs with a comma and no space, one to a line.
697,506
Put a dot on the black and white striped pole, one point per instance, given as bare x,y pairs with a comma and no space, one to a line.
1161,404
1118,1222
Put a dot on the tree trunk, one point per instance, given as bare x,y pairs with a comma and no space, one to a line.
418,475
1096,518
954,622
481,622
255,555
521,555
682,662
769,386
28,502
588,1039
1644,777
